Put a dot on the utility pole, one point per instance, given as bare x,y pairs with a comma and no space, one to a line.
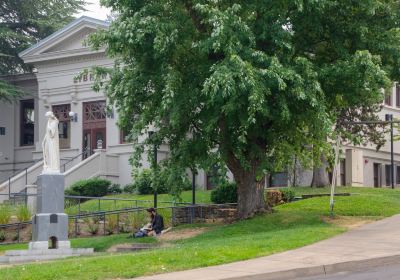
151,134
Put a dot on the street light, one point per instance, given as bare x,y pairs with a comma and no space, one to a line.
151,134
389,118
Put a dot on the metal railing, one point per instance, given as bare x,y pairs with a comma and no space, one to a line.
173,215
84,152
16,173
72,200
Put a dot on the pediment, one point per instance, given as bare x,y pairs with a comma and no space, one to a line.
73,42
66,42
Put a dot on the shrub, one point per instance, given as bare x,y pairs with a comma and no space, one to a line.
15,236
114,189
224,193
144,181
23,213
3,236
288,194
93,226
96,187
5,214
112,223
130,188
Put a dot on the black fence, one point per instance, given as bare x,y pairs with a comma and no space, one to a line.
125,221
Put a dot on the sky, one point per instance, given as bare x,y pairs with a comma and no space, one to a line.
94,10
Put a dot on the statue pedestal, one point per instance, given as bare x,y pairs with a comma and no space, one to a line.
50,224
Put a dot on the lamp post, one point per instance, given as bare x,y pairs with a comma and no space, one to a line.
193,186
151,134
389,118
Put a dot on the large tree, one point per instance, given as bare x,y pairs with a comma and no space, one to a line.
23,23
251,83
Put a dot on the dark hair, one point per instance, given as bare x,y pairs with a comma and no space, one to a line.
151,209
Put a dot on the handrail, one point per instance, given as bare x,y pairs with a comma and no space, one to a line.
74,158
20,170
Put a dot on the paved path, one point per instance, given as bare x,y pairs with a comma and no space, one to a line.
375,240
390,272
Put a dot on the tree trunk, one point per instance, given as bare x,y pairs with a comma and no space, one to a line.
320,174
250,194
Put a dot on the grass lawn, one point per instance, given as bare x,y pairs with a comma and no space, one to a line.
291,226
143,201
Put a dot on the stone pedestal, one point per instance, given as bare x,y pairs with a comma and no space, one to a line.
50,223
49,226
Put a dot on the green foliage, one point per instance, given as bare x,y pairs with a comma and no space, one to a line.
130,188
95,187
145,181
93,226
111,223
114,189
288,194
3,235
23,23
250,82
225,193
23,213
5,214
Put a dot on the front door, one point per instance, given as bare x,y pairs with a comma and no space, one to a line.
94,127
377,175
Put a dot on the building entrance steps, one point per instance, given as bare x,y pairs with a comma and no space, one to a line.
377,243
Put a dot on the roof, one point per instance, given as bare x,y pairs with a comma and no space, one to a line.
56,35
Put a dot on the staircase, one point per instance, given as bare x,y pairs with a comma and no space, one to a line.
100,164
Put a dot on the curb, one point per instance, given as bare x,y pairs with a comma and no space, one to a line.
322,269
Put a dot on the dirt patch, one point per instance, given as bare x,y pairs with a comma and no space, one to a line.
349,222
181,234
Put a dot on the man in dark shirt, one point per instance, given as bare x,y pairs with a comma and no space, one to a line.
157,222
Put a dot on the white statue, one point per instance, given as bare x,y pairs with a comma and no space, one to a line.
51,146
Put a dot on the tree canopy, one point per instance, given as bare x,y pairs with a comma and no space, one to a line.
249,83
23,23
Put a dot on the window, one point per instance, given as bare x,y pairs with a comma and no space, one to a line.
397,95
64,127
343,172
388,97
124,137
2,131
397,174
388,173
27,122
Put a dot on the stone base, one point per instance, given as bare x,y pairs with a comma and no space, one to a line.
44,245
20,256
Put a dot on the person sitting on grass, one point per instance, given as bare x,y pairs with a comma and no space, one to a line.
155,227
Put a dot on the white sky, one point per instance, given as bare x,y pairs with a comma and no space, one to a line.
95,10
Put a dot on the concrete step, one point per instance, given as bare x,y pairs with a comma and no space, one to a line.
21,256
51,252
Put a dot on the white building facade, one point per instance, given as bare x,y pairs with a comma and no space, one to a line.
90,141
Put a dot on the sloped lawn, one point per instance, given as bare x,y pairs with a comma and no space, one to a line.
291,226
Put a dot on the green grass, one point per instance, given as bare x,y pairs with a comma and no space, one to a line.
291,226
93,205
100,244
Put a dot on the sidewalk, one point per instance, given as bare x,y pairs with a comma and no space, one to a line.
373,244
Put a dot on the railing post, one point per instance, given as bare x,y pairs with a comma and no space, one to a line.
76,226
18,233
104,223
26,176
118,223
99,205
79,206
9,188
